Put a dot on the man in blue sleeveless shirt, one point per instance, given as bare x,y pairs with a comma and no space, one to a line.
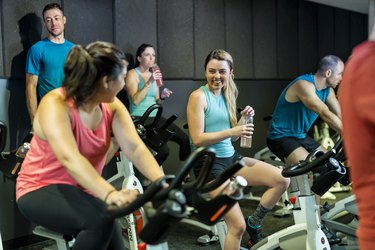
45,59
299,105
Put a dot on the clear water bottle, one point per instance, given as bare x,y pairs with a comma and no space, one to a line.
22,150
246,142
235,187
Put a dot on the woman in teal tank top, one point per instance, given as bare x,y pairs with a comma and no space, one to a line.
143,92
212,120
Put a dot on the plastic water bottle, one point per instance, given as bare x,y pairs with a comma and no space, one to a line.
246,142
235,187
22,150
159,81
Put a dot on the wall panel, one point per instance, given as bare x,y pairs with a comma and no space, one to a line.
2,67
358,29
133,28
18,14
326,30
175,38
265,39
239,36
209,30
342,41
94,23
287,39
307,36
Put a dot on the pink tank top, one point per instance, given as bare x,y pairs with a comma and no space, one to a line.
41,167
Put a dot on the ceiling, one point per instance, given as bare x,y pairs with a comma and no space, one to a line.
361,6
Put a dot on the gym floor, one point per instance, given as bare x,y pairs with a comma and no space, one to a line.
185,235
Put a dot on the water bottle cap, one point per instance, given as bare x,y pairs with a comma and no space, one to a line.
241,181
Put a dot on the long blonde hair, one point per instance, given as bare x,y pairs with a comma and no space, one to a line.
230,90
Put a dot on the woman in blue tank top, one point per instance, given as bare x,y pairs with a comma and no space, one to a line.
143,92
212,120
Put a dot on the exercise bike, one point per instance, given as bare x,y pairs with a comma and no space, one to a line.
307,233
154,135
173,201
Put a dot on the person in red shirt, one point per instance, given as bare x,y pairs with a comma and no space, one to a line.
357,100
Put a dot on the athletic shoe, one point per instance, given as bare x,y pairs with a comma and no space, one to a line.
255,233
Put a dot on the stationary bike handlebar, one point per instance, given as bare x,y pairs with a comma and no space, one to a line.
151,191
314,160
154,135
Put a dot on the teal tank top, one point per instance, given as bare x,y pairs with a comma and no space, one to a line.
216,118
150,98
293,119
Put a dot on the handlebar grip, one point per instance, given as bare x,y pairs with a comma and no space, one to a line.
147,113
155,187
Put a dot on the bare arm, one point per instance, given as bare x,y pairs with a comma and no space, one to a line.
31,95
306,93
333,103
131,87
195,116
131,144
113,147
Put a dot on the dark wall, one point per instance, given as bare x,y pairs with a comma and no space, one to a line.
269,39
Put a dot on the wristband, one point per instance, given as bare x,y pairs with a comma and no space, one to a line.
110,192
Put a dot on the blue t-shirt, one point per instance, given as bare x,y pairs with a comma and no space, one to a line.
46,59
150,98
216,118
294,119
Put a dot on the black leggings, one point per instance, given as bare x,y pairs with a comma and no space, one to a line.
71,211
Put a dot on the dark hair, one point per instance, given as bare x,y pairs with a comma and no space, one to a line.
51,6
328,62
140,50
85,66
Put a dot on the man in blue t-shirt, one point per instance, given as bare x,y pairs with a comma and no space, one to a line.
45,59
299,105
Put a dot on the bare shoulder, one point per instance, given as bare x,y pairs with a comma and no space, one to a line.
54,96
132,74
301,87
197,94
116,105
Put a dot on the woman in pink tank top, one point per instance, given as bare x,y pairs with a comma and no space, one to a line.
60,185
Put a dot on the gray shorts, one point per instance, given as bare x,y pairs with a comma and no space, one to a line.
220,165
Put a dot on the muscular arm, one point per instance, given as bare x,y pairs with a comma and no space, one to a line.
131,87
333,103
306,93
195,116
131,144
31,95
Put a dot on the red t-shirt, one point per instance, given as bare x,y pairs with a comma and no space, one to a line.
357,99
41,167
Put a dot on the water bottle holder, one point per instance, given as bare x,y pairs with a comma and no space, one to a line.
11,165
